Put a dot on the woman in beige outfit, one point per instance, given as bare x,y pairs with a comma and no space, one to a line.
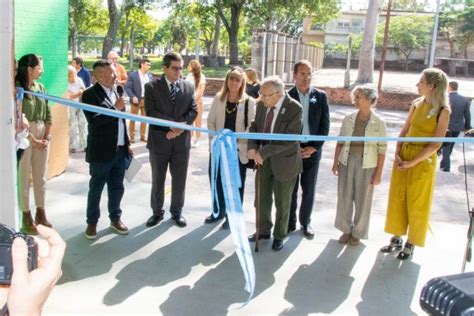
34,159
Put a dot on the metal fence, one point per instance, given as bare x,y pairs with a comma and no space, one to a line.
275,53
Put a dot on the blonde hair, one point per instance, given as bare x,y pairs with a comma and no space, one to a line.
196,71
252,75
237,73
439,97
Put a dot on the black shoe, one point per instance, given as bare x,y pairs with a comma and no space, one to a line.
407,251
225,225
179,219
252,238
277,244
307,231
395,244
211,219
291,228
155,219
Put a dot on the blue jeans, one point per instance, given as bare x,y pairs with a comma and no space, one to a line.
110,172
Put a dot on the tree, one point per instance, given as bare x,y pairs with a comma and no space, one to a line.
115,15
407,34
367,50
287,16
231,24
85,18
457,26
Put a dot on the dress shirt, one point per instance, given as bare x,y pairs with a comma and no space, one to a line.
304,100
112,95
144,79
276,111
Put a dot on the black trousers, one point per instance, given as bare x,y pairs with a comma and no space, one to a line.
308,179
447,150
219,203
178,162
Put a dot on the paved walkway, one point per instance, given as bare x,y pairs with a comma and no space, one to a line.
194,271
394,81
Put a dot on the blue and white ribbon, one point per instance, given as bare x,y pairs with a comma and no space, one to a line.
224,155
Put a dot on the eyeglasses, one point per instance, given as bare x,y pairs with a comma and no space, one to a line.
266,96
176,68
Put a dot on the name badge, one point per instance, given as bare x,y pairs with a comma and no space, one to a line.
240,107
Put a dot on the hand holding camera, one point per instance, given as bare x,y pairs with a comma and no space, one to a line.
29,288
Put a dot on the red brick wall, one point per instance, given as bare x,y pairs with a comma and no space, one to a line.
340,96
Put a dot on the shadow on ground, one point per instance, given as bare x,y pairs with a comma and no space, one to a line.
167,264
85,258
391,284
223,286
324,284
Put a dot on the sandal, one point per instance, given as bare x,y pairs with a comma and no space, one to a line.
395,244
407,251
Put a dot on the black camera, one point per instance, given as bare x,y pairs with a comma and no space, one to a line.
7,234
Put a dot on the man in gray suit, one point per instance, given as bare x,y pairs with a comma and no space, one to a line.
136,91
279,161
459,121
169,98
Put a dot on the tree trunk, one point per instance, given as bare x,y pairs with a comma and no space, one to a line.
232,28
217,35
114,18
367,49
74,41
234,31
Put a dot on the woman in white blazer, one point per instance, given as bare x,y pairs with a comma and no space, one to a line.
232,109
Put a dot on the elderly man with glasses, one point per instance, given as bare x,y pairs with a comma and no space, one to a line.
279,161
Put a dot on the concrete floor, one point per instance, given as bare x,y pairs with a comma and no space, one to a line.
194,271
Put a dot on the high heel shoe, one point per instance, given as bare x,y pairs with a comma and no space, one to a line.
395,244
407,251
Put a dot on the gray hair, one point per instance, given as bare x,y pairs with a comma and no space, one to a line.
368,91
71,69
275,82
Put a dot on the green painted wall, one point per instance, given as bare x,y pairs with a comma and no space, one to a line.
41,27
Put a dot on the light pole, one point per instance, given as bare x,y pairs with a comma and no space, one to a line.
435,34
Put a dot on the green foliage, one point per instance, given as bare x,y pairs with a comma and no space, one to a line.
406,34
87,17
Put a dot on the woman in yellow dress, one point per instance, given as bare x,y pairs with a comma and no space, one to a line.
413,174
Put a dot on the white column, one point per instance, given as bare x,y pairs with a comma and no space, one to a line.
8,208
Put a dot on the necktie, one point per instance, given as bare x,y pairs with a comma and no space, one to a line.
172,93
268,121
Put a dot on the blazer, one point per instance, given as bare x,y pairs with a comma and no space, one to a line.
283,155
134,85
318,114
158,105
460,119
103,129
375,128
216,120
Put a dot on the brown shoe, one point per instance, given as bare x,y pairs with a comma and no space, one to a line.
91,231
119,227
354,241
40,217
143,139
28,227
344,239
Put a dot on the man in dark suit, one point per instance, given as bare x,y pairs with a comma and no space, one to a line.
315,122
459,121
171,98
107,149
279,161
136,92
